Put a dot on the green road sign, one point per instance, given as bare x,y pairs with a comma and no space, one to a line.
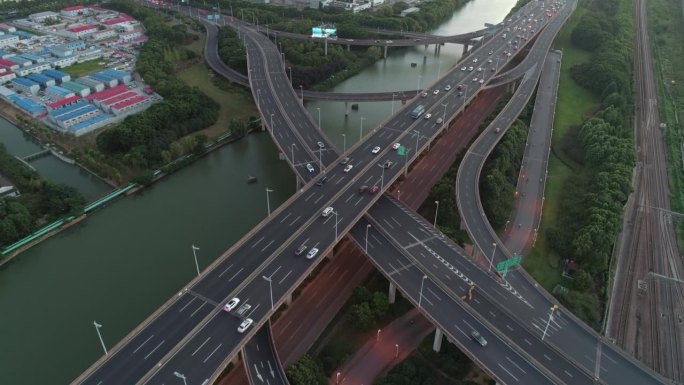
505,265
401,151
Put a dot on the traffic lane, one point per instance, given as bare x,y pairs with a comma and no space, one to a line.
144,350
261,360
452,318
516,333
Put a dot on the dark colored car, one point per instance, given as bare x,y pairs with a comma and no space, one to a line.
301,249
321,181
363,189
373,190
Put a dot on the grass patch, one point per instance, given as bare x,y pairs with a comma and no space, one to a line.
83,69
235,102
572,103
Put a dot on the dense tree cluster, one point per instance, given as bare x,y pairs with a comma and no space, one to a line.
142,140
367,308
40,203
306,371
231,51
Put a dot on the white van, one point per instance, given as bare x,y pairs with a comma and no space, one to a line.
327,211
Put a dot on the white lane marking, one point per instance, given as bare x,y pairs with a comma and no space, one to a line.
143,344
226,269
200,347
235,275
319,198
516,365
212,353
568,373
196,310
187,304
434,294
547,357
153,350
295,220
492,313
509,327
286,275
527,341
269,244
459,329
286,216
509,373
257,242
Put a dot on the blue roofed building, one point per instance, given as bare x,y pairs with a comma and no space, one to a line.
43,80
29,106
74,116
26,85
90,124
6,55
59,76
122,76
78,88
63,61
58,93
108,81
32,69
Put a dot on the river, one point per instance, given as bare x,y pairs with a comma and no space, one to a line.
120,264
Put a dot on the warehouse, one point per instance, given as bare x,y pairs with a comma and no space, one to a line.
29,106
108,81
6,75
66,120
95,86
59,76
79,32
98,97
34,59
63,103
43,80
64,61
32,69
78,88
9,65
130,105
58,93
26,86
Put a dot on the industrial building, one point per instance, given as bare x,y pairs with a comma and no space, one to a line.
6,75
108,81
64,61
75,11
10,65
98,97
6,55
5,93
130,105
26,86
32,69
58,93
78,88
90,124
34,59
103,35
122,76
95,85
27,105
8,40
44,81
59,76
7,28
20,61
91,53
63,103
42,16
82,31
76,113
107,104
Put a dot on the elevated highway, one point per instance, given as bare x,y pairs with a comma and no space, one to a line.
208,347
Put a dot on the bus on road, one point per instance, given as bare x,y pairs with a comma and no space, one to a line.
418,111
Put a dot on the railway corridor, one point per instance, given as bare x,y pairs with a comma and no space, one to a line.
647,309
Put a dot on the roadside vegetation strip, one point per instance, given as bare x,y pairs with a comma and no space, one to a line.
666,29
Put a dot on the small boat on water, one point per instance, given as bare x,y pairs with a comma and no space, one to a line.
354,106
251,179
413,64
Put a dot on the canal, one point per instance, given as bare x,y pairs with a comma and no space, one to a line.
118,266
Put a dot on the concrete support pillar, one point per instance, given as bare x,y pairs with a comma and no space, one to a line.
403,102
384,54
235,360
425,51
348,47
326,47
465,49
288,299
436,48
391,296
437,343
347,108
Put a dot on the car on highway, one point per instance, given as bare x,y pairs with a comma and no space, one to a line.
321,181
474,80
416,39
310,167
438,121
479,69
242,310
373,190
428,116
312,253
301,249
327,211
320,144
435,92
231,304
478,338
448,87
481,81
424,94
493,69
389,42
350,39
375,150
460,87
475,60
245,325
363,189
396,146
490,61
464,68
387,164
348,168
491,52
497,130
471,68
346,160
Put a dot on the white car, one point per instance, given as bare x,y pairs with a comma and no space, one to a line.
428,116
463,68
475,60
470,68
447,88
348,168
475,80
309,167
232,304
479,69
312,253
435,92
396,146
245,325
481,81
375,150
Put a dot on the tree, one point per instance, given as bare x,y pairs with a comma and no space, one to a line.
305,372
362,317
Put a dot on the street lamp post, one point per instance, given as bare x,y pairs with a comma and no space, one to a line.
377,336
344,143
393,95
320,159
292,153
182,377
337,378
418,88
319,117
301,92
97,329
396,350
436,210
361,128
368,226
398,194
553,309
417,134
194,254
491,260
270,287
268,201
290,68
420,296
444,115
272,130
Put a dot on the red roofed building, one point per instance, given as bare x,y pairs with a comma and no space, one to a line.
106,94
78,32
75,11
6,75
10,65
119,98
130,104
63,103
123,18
